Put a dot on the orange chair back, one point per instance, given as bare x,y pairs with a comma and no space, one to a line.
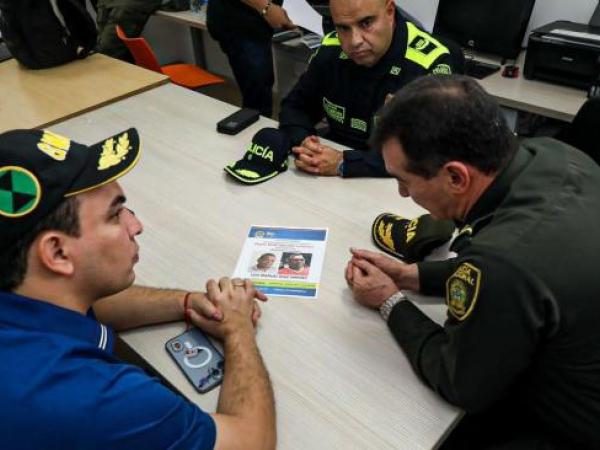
140,50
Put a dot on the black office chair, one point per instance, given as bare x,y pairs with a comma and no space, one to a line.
584,132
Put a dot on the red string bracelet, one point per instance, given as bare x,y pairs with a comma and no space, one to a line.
186,314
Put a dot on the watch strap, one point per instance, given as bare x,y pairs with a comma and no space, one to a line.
386,307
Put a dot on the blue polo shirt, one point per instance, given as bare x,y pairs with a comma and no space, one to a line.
61,388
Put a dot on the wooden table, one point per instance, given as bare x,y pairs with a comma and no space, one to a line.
340,380
38,98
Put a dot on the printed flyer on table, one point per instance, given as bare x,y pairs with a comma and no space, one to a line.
285,262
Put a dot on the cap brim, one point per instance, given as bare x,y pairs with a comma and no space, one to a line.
107,161
247,173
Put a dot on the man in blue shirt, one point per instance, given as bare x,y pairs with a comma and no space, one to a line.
67,252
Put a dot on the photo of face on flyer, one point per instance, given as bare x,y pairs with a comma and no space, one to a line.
295,264
264,263
283,261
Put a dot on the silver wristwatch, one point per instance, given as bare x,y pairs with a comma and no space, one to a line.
386,307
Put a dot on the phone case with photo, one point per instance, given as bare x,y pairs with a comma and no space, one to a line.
198,358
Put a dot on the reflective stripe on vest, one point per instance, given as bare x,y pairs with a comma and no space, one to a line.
422,48
331,39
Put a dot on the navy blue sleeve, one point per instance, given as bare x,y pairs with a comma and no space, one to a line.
358,163
302,108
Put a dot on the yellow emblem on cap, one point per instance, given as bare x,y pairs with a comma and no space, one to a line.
54,145
385,234
411,229
113,154
462,290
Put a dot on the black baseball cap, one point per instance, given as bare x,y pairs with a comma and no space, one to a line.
39,168
410,239
266,157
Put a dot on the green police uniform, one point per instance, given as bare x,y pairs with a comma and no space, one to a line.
522,337
348,95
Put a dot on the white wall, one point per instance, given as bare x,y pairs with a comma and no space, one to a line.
172,43
544,11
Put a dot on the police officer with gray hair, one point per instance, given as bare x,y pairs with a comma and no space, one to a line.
520,348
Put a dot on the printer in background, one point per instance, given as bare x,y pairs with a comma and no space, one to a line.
564,52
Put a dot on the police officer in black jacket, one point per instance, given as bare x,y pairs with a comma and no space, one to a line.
373,53
520,349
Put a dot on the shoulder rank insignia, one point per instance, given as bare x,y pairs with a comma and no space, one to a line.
462,290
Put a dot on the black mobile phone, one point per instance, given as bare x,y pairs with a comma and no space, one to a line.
237,121
198,358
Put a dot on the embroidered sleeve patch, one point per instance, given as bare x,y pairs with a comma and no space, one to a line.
336,112
20,191
462,290
442,69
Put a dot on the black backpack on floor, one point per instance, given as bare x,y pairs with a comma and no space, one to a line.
47,33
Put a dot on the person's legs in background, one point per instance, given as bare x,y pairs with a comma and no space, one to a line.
131,16
252,64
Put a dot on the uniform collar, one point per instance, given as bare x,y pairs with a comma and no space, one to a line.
398,43
25,313
495,193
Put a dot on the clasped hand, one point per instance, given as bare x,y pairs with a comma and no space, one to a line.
316,158
227,306
374,277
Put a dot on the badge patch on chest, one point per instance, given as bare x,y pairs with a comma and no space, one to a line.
462,290
358,124
335,112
